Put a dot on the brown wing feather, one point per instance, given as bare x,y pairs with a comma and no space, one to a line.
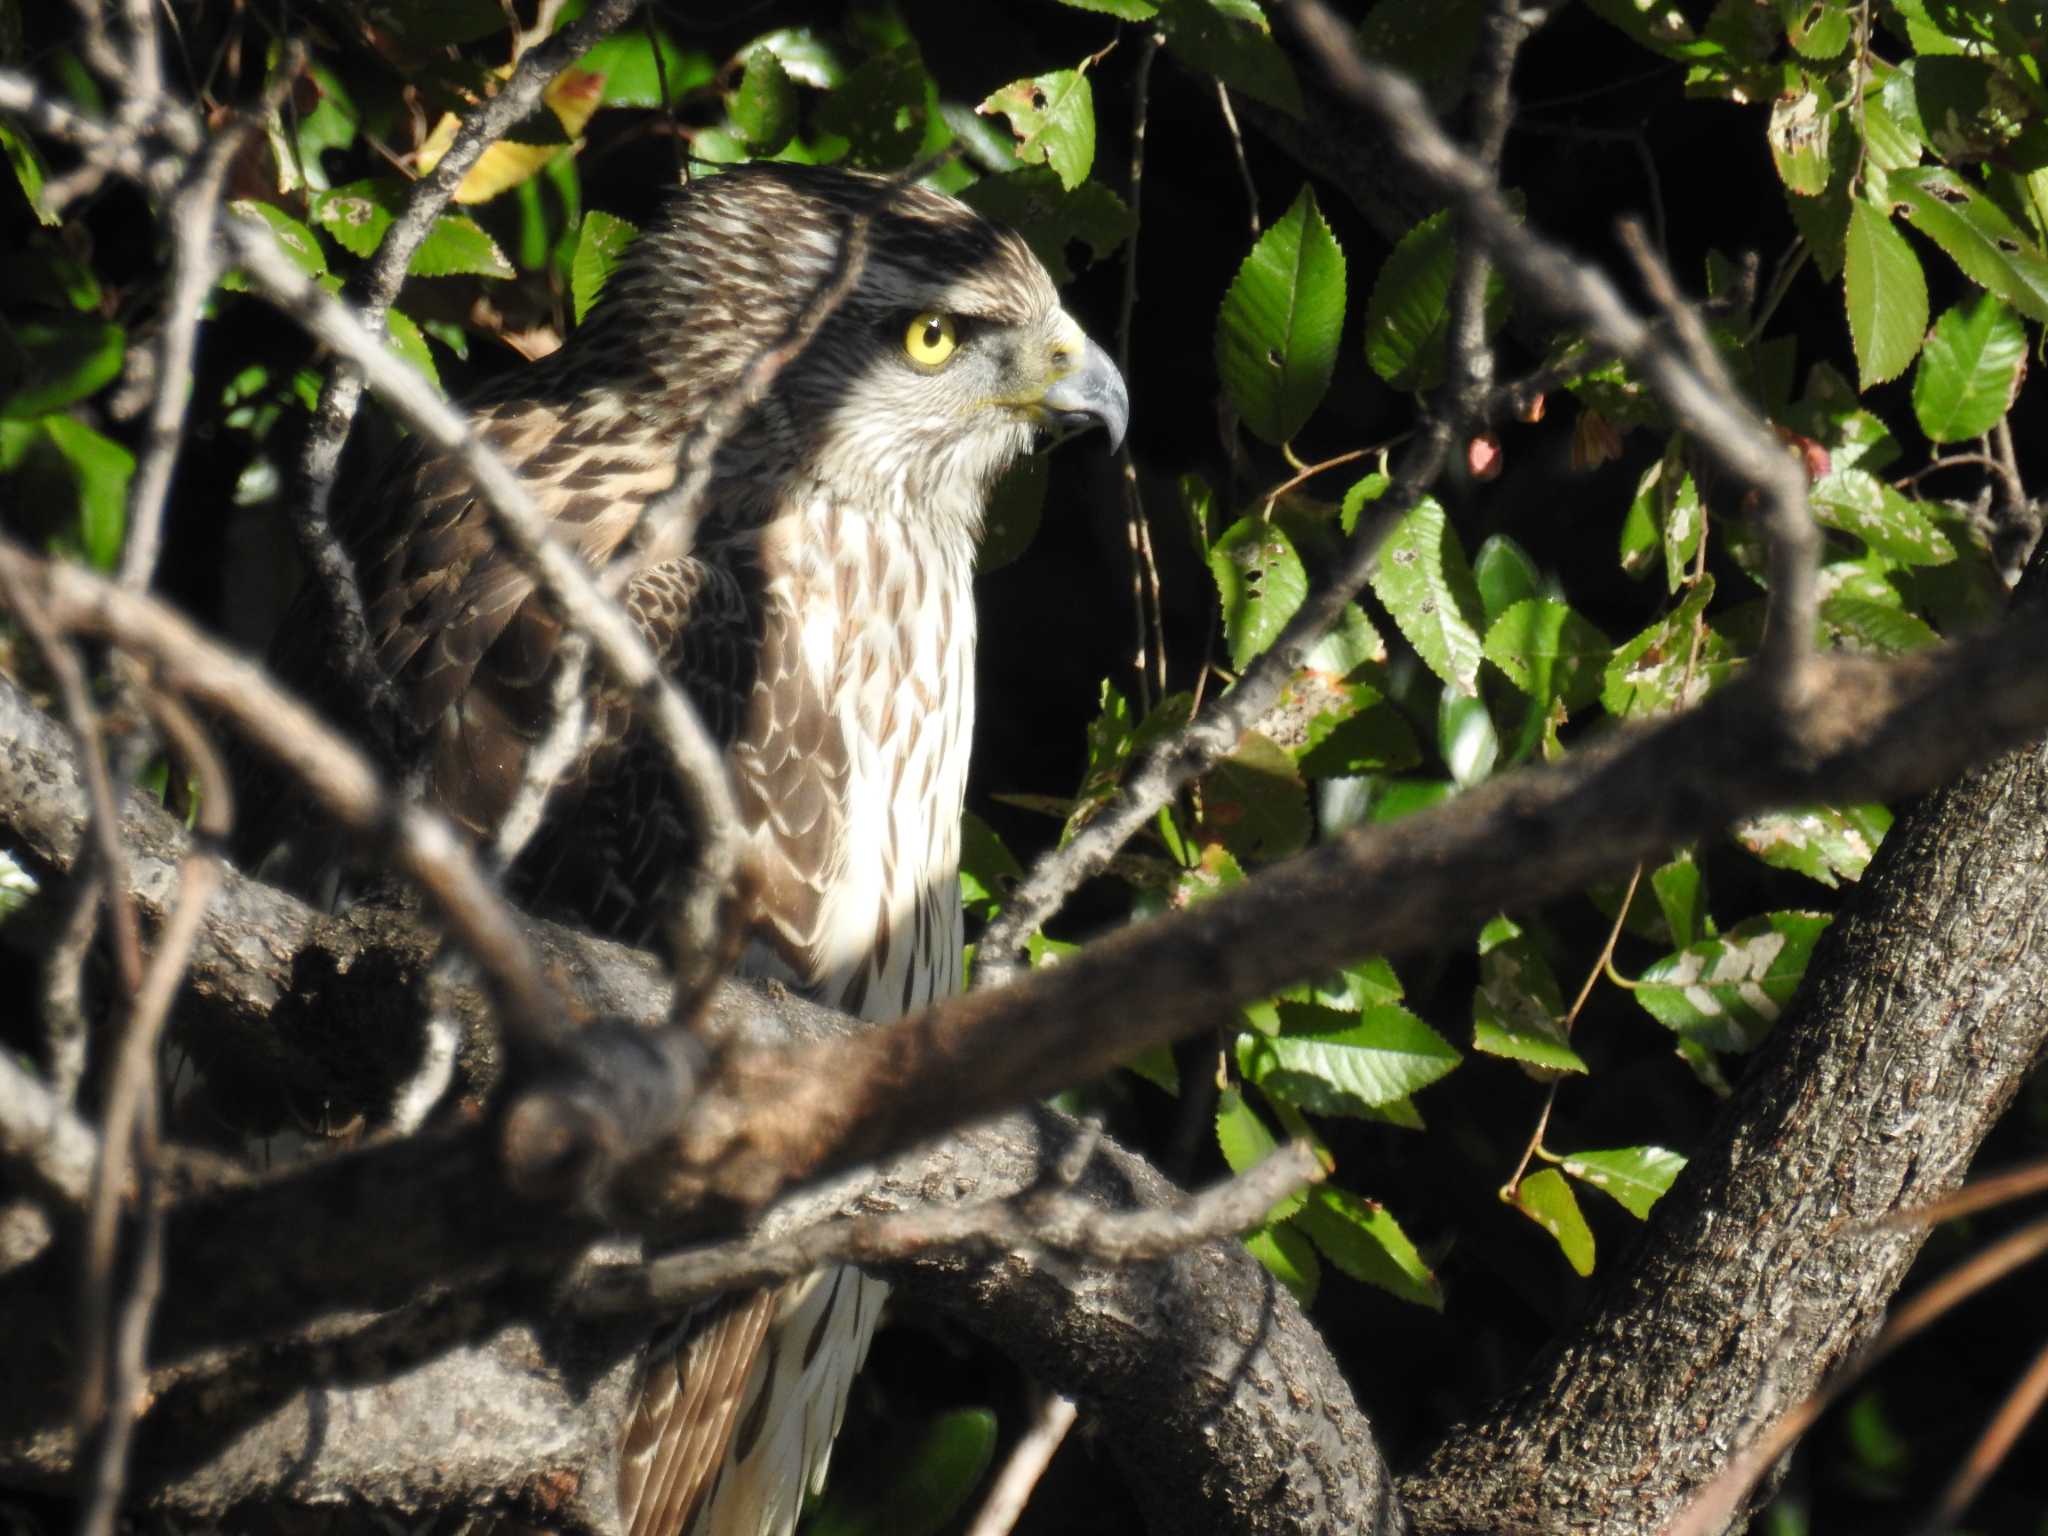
688,1403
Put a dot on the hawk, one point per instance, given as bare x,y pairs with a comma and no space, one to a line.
820,617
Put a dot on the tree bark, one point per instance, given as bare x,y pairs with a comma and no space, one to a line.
1761,1271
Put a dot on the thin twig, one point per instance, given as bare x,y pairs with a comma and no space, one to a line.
1992,1447
1011,1491
1145,593
1043,1220
1978,1195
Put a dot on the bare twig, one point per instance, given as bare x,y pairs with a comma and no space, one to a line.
1037,1221
1992,1447
1012,1488
1145,597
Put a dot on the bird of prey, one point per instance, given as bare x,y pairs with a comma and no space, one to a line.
821,618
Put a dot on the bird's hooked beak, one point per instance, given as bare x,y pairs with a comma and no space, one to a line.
1090,394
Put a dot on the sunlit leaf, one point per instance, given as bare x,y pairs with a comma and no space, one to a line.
1334,1062
764,108
1821,842
1857,502
1255,801
1053,118
1547,1199
1969,371
1422,578
1282,318
1363,1239
1549,652
1261,582
1517,1008
1505,574
1407,319
1636,1177
1886,294
101,468
1291,1259
600,246
1726,992
1659,670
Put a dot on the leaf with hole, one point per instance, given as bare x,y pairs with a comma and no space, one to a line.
1053,119
1260,581
1421,575
1281,321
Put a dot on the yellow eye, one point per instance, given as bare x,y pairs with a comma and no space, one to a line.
930,339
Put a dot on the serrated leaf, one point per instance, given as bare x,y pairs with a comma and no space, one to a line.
1546,1199
1518,1008
1726,992
101,469
1970,371
297,242
883,109
1245,1141
1123,10
1886,294
1635,1177
1053,118
1155,1064
1361,1238
1407,319
1647,673
1255,801
1016,506
1346,645
1876,628
1549,652
1261,582
1820,842
1976,235
1050,218
1465,737
458,247
600,247
1421,576
1281,321
764,108
988,870
1290,1258
1857,502
1334,1062
1801,125
1231,40
403,337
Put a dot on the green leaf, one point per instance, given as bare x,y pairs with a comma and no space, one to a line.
1970,371
297,242
1821,842
1886,294
1977,236
988,870
61,360
458,247
1802,122
640,71
1677,888
1505,574
764,108
1517,1008
1361,1238
30,174
1876,628
1407,319
1231,40
1291,1259
1818,29
1725,993
884,109
1372,736
1421,576
1015,507
1281,321
1050,218
1261,582
915,1485
1465,737
1155,1064
1549,652
1546,1199
1255,801
1857,502
600,247
1648,672
403,337
101,468
1345,646
357,214
1246,1142
1334,1062
1636,1177
1053,118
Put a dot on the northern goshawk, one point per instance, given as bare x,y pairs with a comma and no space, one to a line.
821,618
